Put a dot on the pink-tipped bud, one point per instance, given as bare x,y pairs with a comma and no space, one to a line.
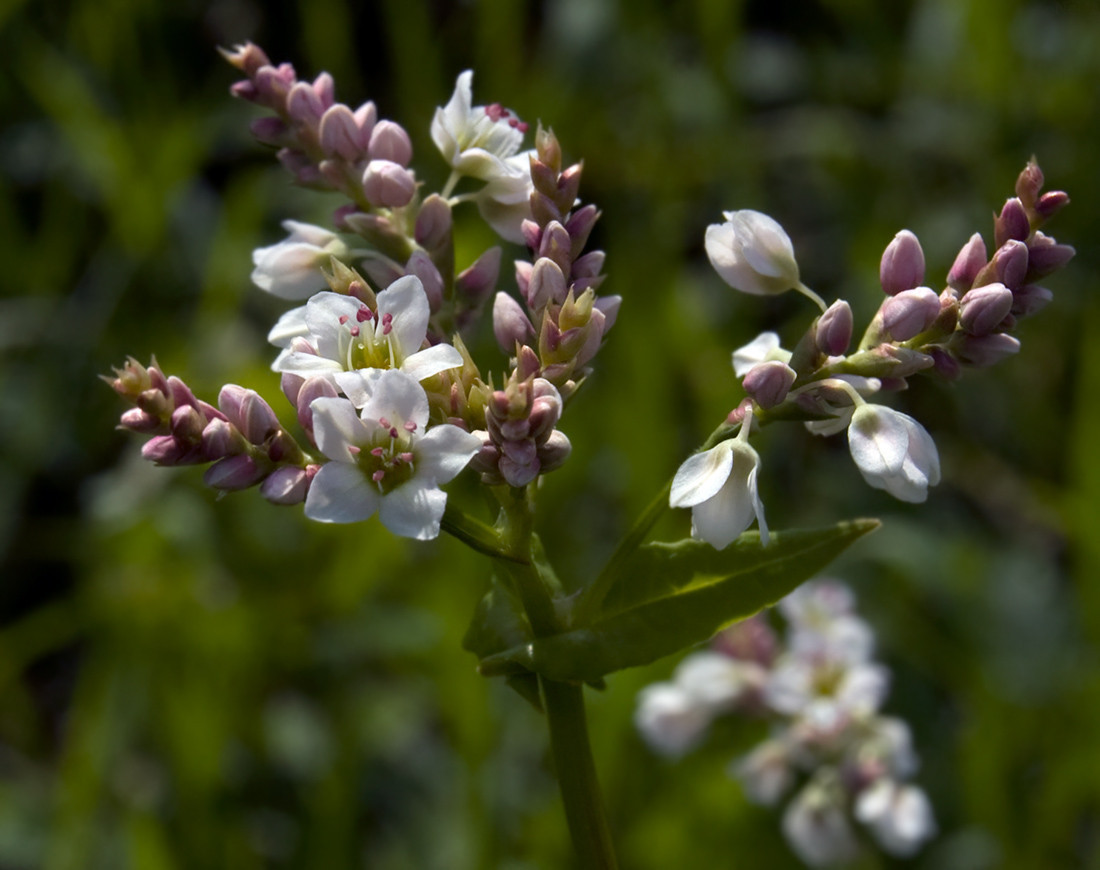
523,277
1030,299
340,135
982,309
1045,256
982,351
433,223
221,438
166,450
421,265
909,312
304,105
187,424
325,88
527,363
1028,183
554,451
510,323
479,279
313,388
579,226
366,116
389,141
972,257
1010,264
569,183
1011,223
388,184
273,84
291,385
945,364
1049,204
834,329
588,266
547,284
557,246
233,473
288,485
270,131
229,401
181,393
902,265
769,382
137,420
609,307
247,57
257,421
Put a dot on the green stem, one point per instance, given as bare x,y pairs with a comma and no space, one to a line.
576,771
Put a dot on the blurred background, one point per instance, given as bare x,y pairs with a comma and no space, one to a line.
189,681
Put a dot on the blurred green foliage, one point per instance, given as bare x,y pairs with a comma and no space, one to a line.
193,682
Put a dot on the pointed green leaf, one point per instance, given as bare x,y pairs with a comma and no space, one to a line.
677,595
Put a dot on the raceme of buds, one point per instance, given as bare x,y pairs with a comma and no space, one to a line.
520,441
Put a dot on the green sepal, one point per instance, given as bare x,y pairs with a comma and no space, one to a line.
671,596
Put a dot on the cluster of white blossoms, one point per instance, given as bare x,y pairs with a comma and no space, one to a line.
830,751
829,388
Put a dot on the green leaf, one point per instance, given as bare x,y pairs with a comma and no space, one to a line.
673,596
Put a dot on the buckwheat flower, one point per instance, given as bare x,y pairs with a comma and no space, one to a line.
291,269
764,348
893,452
719,485
342,334
899,816
476,140
505,202
826,694
752,253
384,461
670,719
816,822
766,773
718,681
822,622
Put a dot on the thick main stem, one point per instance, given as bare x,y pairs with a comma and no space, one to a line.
563,702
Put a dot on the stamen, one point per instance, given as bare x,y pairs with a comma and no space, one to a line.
410,426
343,319
405,457
354,331
384,423
364,314
393,431
387,323
354,450
495,112
378,475
378,451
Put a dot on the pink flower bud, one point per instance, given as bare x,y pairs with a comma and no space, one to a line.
187,424
510,323
325,88
902,265
433,223
1051,203
945,364
366,116
982,351
909,312
421,265
340,134
554,451
580,224
388,184
569,183
221,438
270,131
557,246
312,388
547,284
233,473
304,105
166,450
257,421
527,363
247,57
273,84
972,257
1012,223
1029,299
982,309
531,232
479,279
1010,263
588,266
769,382
1028,183
389,141
288,485
609,307
1045,256
834,329
137,420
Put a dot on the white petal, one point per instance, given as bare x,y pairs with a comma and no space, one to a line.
310,233
879,441
701,476
413,510
305,364
358,385
765,245
336,427
406,301
761,349
725,256
399,398
340,493
289,326
328,334
444,451
431,361
289,270
669,719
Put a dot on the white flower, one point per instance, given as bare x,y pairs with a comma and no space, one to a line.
900,816
344,335
766,772
476,140
764,348
383,461
670,718
822,623
752,253
826,694
291,269
816,824
719,485
893,452
505,202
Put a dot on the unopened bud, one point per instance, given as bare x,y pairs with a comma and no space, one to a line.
569,183
1051,203
1010,264
1029,299
340,135
946,366
908,313
1045,256
304,105
972,257
270,131
221,438
389,141
479,279
982,309
137,420
547,148
554,451
246,57
769,382
510,323
257,421
981,351
556,245
1028,183
187,424
166,450
433,223
834,329
312,388
579,226
233,473
288,485
588,266
609,307
902,265
388,184
546,285
1011,223
421,265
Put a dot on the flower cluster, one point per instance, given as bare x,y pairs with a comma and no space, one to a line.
915,330
829,744
373,362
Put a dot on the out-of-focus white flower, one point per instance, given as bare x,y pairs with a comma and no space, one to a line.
893,452
342,335
825,694
670,719
899,816
719,485
383,461
476,140
766,772
718,681
816,822
752,253
505,201
822,623
291,269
